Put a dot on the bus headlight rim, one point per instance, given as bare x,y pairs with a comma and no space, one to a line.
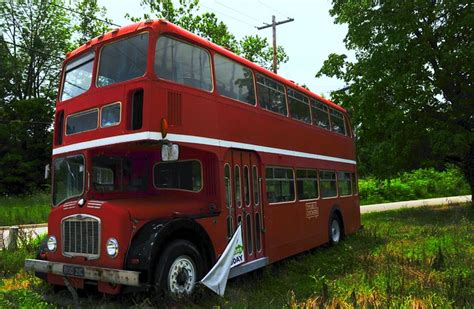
112,247
52,243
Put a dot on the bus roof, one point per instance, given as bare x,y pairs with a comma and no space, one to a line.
165,26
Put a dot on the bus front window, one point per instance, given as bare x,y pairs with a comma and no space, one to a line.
68,180
119,174
123,60
77,76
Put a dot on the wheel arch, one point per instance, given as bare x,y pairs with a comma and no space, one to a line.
153,237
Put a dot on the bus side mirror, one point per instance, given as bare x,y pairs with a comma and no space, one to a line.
46,171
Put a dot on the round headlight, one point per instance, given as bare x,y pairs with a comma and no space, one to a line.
112,247
52,243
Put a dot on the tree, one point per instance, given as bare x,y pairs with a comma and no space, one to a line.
38,33
207,25
90,21
411,86
25,144
257,49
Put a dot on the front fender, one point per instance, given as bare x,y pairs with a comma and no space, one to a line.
155,235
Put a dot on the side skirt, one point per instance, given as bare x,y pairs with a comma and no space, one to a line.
248,267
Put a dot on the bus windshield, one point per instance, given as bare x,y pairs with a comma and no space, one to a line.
68,180
77,76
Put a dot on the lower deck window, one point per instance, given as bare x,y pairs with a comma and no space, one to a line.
120,173
328,184
183,175
280,184
344,183
307,184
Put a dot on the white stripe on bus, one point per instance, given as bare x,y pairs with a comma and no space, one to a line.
193,140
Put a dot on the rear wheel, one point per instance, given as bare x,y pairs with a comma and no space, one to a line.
335,229
179,269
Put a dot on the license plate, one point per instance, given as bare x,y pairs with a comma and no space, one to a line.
76,271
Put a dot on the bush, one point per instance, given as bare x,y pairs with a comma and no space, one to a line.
418,184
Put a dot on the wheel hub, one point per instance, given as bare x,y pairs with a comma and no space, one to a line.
182,276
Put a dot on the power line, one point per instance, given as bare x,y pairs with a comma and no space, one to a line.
24,121
269,7
237,11
232,17
85,15
31,49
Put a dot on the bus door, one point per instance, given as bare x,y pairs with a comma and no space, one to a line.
243,170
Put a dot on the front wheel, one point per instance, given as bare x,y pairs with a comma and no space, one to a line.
179,269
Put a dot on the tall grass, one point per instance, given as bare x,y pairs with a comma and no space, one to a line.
19,289
24,209
409,258
418,184
419,258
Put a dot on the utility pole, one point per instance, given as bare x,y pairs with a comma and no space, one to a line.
273,25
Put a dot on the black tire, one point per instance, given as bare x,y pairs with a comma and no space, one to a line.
335,229
179,269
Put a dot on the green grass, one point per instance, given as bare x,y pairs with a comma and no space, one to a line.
404,258
19,289
419,257
24,209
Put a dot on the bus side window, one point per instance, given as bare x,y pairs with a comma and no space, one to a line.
344,183
280,184
327,180
271,95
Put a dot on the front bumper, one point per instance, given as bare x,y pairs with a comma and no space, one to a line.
110,275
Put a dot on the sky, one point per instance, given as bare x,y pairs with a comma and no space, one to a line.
307,41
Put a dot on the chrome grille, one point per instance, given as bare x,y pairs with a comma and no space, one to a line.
81,236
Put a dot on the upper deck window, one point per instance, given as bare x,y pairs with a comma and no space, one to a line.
183,63
271,95
82,121
337,122
123,60
77,76
320,114
234,80
299,106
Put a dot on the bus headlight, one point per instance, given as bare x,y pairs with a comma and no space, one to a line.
112,247
52,243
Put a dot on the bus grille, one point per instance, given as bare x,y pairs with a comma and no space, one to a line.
81,236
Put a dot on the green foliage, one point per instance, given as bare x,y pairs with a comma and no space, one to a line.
410,88
12,262
25,143
23,298
185,14
90,22
419,184
30,209
17,288
39,33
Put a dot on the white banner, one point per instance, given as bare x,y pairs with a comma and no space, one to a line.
233,255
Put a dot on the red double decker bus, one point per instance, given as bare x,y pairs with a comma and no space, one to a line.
164,143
